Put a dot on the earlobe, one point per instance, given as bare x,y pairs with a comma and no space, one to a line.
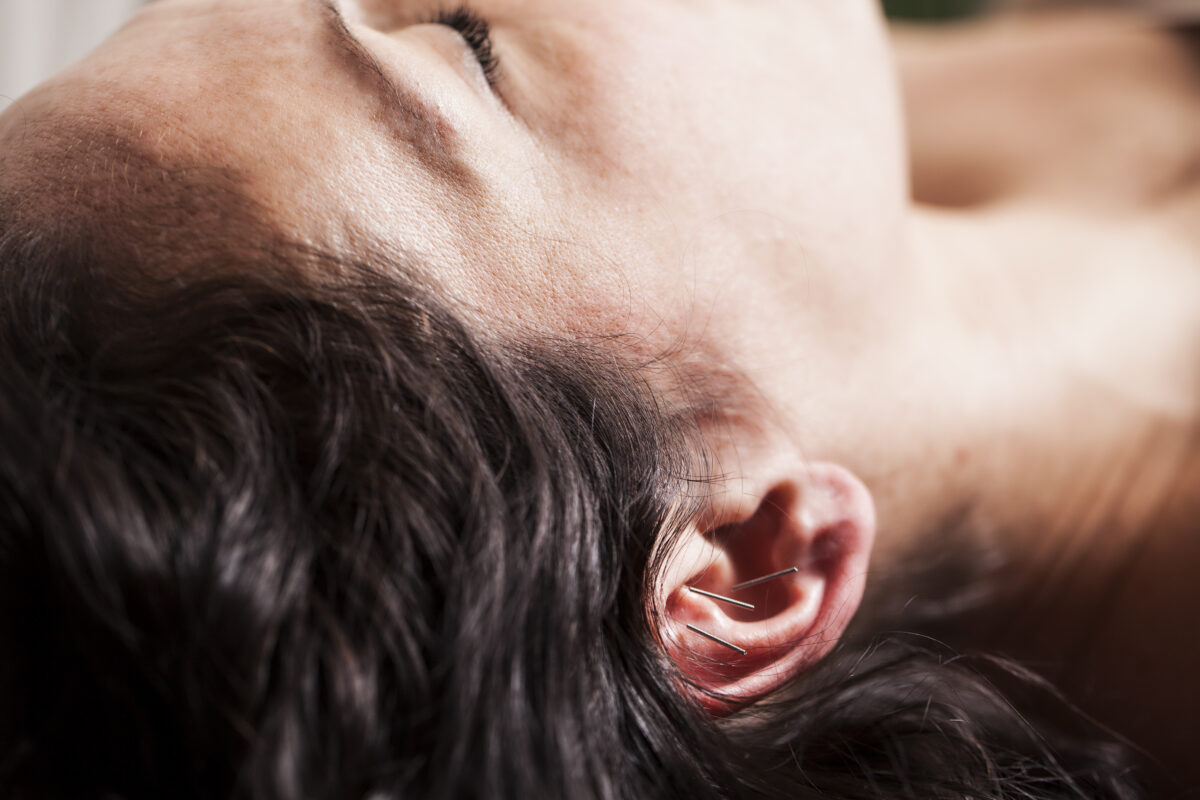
775,590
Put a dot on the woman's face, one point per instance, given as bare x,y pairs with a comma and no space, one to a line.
681,167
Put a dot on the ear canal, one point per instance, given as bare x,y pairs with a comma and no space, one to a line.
778,590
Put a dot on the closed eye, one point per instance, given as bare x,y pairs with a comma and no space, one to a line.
476,32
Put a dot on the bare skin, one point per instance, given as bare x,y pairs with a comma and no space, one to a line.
1090,120
1020,346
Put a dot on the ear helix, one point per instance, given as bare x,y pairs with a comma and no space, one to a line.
739,603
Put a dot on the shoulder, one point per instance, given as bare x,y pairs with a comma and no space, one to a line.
1085,106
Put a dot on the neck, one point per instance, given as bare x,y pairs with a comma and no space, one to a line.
1081,352
1081,373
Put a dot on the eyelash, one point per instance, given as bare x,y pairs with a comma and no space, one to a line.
476,32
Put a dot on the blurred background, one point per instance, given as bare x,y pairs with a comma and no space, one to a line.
40,37
932,9
1174,11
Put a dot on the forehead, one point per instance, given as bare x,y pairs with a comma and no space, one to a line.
641,124
257,92
118,206
127,171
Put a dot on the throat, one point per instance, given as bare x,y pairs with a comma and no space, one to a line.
1080,371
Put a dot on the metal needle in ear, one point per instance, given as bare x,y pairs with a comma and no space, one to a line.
765,578
716,639
722,598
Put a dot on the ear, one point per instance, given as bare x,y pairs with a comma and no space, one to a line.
819,520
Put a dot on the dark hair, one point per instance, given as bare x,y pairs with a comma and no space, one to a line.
272,536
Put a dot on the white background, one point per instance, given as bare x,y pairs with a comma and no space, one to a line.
40,37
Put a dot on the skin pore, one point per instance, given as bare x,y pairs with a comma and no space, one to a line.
733,178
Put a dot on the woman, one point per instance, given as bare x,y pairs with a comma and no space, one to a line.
383,383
